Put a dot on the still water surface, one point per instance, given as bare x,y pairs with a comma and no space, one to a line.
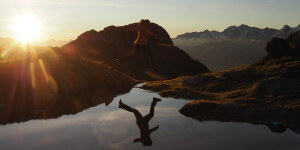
109,127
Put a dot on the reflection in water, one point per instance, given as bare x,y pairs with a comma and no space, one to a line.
143,122
277,128
104,128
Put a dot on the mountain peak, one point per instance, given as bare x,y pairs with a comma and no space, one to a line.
285,30
244,26
285,27
206,31
117,42
231,28
88,34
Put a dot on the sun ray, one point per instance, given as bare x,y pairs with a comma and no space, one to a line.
44,70
5,52
32,75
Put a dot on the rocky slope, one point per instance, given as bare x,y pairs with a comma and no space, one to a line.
267,92
49,84
233,47
114,43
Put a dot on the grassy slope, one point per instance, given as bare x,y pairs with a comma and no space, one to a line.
263,93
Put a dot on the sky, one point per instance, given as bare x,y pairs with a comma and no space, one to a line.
67,19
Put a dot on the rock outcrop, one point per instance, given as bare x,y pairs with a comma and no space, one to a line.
113,43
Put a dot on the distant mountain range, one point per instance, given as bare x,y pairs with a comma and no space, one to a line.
233,47
10,50
52,42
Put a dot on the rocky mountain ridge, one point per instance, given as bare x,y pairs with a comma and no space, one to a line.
114,43
233,47
242,32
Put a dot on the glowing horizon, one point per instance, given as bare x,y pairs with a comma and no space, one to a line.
67,19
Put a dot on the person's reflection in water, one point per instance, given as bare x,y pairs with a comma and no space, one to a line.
143,122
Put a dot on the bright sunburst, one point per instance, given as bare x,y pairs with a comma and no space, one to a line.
26,28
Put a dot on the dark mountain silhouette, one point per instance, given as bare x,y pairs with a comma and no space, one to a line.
233,47
266,92
113,43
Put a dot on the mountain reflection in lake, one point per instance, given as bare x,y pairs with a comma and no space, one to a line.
109,127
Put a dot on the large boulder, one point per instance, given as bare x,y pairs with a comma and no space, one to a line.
278,47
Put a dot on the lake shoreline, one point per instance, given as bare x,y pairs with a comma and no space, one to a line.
262,93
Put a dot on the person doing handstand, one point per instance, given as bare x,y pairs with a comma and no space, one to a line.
143,122
144,43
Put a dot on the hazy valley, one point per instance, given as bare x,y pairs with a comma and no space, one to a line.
235,46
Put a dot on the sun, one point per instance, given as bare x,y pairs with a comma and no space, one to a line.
26,28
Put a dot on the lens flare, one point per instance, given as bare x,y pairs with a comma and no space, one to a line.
26,28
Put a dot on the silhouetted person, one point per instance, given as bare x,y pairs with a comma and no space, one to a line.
143,122
144,44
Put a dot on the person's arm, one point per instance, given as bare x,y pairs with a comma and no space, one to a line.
137,140
153,129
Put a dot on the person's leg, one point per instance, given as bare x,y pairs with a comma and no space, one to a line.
151,114
136,113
